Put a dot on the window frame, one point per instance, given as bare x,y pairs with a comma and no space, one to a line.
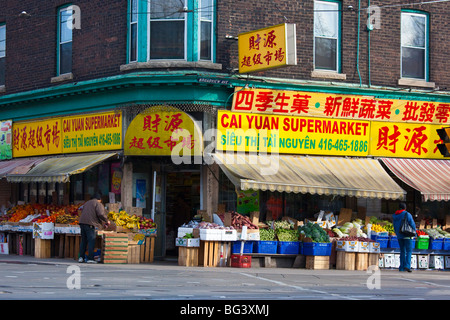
59,42
212,28
338,36
3,57
425,47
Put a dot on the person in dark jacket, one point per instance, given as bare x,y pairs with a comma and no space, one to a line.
93,215
405,243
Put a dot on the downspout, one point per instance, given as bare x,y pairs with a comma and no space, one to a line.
369,29
357,45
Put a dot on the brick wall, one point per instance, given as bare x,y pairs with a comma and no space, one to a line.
99,48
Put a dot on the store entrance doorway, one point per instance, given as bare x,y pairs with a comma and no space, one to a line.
182,202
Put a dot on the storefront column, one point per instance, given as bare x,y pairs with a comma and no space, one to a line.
210,175
127,185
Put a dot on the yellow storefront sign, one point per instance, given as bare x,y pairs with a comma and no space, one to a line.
404,140
164,131
92,132
37,138
317,104
248,132
267,48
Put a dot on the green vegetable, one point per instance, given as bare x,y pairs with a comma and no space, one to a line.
315,232
287,234
266,234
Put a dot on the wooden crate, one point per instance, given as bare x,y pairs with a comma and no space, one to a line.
42,248
71,245
317,262
115,248
361,261
345,260
373,261
188,256
210,253
147,250
134,253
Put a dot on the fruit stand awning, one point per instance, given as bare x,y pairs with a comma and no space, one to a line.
17,166
59,169
316,175
430,177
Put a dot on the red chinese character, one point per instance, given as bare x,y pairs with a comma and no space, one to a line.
32,138
47,136
151,125
39,137
55,135
332,106
268,57
265,98
300,103
427,112
270,39
244,100
367,108
442,112
253,43
386,141
171,143
23,145
280,101
16,139
410,111
279,54
246,61
137,143
384,109
257,59
188,142
350,107
174,123
153,143
416,141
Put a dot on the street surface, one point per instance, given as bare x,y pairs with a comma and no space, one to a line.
27,278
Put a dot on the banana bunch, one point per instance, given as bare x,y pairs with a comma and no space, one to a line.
123,219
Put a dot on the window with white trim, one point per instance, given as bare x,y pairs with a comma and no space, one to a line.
414,42
65,23
2,54
326,35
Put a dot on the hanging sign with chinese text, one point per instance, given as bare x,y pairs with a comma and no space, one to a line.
404,140
163,131
246,132
37,138
267,48
318,104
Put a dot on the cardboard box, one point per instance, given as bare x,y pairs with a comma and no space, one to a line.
363,247
4,249
187,242
374,247
436,262
229,235
389,260
211,234
347,246
422,261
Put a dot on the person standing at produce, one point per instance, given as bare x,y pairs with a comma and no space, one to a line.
93,215
405,243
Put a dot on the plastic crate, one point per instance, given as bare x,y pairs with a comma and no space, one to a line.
288,247
316,249
446,245
393,242
265,247
238,261
382,240
248,247
422,243
436,244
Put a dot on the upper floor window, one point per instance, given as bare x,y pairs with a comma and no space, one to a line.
326,35
64,49
414,43
171,30
2,54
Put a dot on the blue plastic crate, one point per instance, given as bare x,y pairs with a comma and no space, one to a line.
248,247
446,245
393,242
382,240
436,244
316,249
288,247
265,247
